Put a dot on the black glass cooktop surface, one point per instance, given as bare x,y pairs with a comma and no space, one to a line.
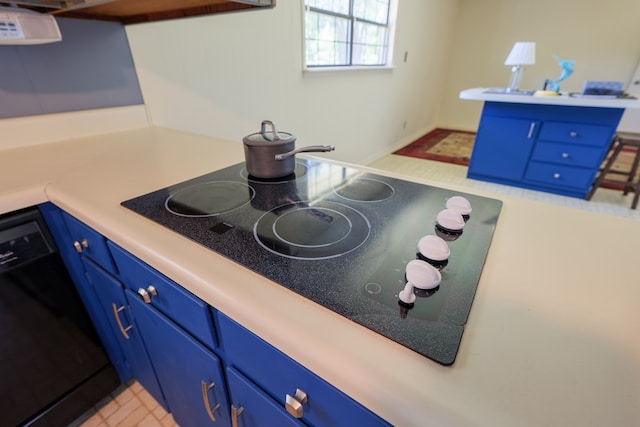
342,238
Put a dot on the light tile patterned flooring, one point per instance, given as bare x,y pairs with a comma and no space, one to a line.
605,201
132,406
128,406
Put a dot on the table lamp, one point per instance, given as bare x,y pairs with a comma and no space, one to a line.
522,53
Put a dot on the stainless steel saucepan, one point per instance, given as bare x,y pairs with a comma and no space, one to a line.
272,154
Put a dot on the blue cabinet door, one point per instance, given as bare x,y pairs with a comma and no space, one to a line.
279,375
111,295
502,147
190,374
54,218
252,407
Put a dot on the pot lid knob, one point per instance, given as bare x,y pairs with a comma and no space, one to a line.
269,137
274,131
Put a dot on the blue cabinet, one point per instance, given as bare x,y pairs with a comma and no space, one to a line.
552,148
511,142
252,407
197,363
57,222
302,393
119,316
190,374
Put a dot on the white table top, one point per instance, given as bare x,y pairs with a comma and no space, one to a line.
481,94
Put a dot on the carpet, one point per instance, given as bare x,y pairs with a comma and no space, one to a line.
455,146
443,145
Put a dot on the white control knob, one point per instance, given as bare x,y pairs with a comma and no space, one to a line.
422,275
406,295
434,248
460,204
450,219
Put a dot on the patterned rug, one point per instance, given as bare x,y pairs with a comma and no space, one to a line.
443,145
454,146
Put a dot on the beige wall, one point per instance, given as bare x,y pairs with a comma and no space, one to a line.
602,37
222,75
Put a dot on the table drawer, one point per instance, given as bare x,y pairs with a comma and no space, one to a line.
558,175
568,154
280,375
578,133
175,302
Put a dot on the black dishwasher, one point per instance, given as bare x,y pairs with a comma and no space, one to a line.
52,365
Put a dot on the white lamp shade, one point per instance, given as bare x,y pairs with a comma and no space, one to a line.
522,53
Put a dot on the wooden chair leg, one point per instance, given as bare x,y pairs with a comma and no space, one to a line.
605,170
632,174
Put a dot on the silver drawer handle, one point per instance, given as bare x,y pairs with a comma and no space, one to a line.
81,245
123,330
531,129
293,404
205,399
146,294
573,134
565,155
235,413
556,175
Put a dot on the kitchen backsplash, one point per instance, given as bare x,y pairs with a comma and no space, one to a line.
90,68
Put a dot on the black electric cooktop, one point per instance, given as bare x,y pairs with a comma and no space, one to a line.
342,238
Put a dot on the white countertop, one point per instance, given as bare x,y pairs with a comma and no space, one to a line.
481,94
551,338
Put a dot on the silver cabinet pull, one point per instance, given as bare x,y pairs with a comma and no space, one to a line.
146,294
573,134
556,175
531,129
235,413
205,399
81,245
123,330
565,155
293,404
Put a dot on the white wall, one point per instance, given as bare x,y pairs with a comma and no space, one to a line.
602,37
221,75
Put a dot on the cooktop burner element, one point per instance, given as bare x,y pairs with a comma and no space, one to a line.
320,230
364,190
209,198
343,239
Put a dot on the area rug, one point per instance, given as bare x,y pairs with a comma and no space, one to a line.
455,146
443,145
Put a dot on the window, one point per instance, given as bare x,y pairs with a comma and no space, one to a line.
348,33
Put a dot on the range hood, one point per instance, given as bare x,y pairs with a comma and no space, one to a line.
22,26
139,11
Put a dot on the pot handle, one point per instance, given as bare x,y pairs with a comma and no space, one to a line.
263,130
311,148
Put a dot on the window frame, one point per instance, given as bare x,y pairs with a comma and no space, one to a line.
390,26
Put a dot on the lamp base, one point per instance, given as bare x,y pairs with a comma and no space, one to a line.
516,76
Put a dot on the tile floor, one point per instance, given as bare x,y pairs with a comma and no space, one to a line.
132,406
128,406
605,201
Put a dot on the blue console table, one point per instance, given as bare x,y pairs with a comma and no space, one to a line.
552,144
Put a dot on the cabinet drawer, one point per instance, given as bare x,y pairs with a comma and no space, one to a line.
252,407
172,300
578,133
279,375
89,243
568,154
557,175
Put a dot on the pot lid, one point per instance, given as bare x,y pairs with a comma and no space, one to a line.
269,137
